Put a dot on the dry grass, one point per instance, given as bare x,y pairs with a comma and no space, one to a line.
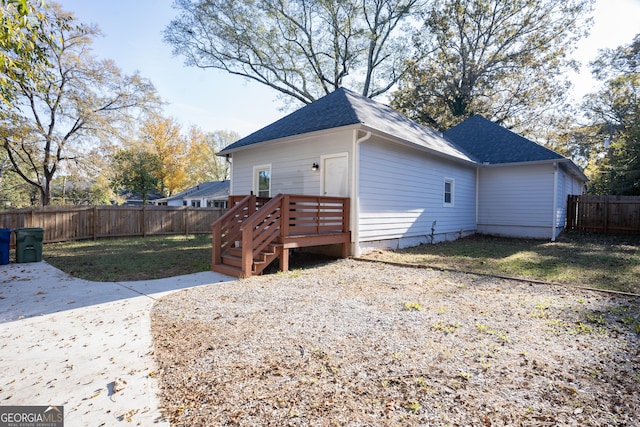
364,344
593,260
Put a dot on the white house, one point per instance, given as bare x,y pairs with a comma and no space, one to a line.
522,186
407,184
208,194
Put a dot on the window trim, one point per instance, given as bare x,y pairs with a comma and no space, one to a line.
452,192
256,179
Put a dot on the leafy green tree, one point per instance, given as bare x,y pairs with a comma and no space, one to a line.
14,192
137,170
502,59
304,49
64,108
20,53
614,113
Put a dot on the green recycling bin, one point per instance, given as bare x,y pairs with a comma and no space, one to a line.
5,239
29,244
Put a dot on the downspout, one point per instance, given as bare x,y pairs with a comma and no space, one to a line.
477,195
554,221
355,195
229,159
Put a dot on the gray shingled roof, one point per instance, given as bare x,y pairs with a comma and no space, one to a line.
491,143
206,189
344,108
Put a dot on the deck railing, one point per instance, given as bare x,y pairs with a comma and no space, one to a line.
259,226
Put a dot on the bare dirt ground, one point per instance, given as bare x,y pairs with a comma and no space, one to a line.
364,344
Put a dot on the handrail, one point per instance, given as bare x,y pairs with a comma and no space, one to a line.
223,231
260,230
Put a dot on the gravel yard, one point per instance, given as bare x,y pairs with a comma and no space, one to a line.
367,344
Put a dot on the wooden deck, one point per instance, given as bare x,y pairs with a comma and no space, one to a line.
256,231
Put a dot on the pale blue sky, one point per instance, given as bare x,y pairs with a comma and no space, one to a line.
215,100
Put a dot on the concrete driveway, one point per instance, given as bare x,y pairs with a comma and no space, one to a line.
83,345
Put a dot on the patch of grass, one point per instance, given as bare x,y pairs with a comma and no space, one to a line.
594,260
447,328
412,306
124,259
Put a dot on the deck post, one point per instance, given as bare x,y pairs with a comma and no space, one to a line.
285,211
284,260
247,252
251,209
216,253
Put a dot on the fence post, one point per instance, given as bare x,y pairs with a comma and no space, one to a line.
186,221
95,223
144,222
606,215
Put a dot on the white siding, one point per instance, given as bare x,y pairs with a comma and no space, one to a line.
290,163
567,185
401,195
516,201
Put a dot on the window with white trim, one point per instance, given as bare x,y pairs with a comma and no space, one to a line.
262,181
449,192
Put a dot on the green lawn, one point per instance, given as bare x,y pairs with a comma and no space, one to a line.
610,262
139,258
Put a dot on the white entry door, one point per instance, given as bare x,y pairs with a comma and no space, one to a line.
335,175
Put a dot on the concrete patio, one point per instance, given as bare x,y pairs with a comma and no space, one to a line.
83,345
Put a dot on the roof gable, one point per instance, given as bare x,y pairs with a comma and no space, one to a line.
491,143
343,108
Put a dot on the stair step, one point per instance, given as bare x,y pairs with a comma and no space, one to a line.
267,252
227,269
232,260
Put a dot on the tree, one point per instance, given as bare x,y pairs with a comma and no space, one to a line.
161,137
502,59
20,54
14,192
204,165
614,113
64,107
304,49
136,169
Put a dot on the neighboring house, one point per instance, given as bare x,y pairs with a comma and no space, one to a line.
208,194
135,199
408,184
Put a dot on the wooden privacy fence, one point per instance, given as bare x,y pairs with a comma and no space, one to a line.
604,214
92,222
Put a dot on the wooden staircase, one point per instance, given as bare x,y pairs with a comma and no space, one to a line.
232,261
256,231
